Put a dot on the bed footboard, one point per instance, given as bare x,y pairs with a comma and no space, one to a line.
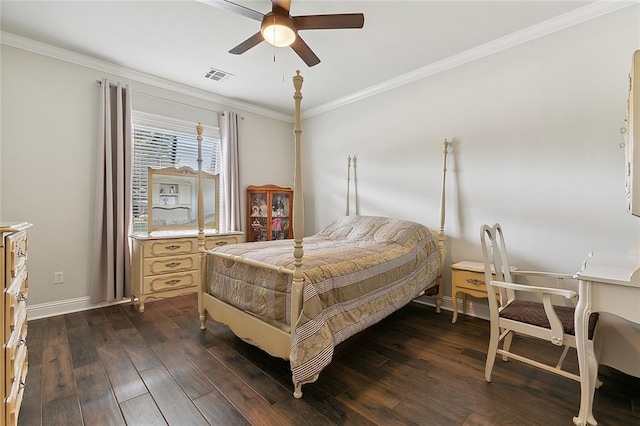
296,287
271,339
252,262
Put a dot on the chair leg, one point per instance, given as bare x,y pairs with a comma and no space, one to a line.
507,344
562,357
491,352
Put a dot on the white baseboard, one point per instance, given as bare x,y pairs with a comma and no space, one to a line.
61,307
477,310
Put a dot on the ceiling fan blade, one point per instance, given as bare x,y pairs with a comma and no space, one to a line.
329,22
247,44
235,8
282,4
305,52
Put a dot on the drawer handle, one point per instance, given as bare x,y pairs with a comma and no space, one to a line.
172,282
221,243
22,341
22,253
21,297
173,264
22,385
475,281
173,247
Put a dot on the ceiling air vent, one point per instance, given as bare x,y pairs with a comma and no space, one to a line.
217,75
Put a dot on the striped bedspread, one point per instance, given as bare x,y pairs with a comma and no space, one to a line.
357,271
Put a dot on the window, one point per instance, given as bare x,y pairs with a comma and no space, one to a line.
160,142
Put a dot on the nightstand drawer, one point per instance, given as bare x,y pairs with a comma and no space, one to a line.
470,280
165,265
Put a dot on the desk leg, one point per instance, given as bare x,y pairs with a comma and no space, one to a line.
586,358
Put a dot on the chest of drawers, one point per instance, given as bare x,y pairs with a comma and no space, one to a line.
167,265
15,283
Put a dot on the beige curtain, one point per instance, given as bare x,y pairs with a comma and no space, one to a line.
111,269
231,217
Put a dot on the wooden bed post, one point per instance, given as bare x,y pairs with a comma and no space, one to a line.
355,185
201,248
298,230
298,211
348,183
441,237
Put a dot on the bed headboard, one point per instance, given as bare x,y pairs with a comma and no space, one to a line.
440,233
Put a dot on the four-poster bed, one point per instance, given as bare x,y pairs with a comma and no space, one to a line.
356,271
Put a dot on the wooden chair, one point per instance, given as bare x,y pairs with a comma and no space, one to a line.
511,314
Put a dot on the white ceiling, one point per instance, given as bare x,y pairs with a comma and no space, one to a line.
180,40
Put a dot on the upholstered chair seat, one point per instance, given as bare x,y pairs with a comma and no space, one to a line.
533,313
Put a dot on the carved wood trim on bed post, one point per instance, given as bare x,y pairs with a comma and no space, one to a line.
441,237
348,183
298,210
201,247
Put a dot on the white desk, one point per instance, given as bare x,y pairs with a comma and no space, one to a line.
608,283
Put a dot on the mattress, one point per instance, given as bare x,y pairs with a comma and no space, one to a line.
357,271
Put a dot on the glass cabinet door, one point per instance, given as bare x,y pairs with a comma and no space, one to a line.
258,229
280,220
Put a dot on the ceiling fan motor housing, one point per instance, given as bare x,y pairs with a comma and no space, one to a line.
278,29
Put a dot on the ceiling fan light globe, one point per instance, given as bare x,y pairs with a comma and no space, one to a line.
278,30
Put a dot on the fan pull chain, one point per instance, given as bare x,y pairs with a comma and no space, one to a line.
274,38
284,63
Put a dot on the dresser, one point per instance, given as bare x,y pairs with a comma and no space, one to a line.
13,269
166,265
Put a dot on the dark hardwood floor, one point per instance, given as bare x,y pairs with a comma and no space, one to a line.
113,366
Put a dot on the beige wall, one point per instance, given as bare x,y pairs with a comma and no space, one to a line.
48,158
535,133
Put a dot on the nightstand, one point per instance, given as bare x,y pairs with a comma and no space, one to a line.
467,278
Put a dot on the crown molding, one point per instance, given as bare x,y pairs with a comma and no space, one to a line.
13,40
578,16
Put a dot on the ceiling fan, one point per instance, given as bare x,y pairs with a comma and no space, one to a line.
280,29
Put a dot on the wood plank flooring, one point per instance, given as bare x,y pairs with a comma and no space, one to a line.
115,366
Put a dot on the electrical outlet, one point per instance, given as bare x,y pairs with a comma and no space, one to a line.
58,277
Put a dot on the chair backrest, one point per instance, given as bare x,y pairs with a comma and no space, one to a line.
496,262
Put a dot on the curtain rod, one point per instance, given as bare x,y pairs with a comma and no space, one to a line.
171,100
